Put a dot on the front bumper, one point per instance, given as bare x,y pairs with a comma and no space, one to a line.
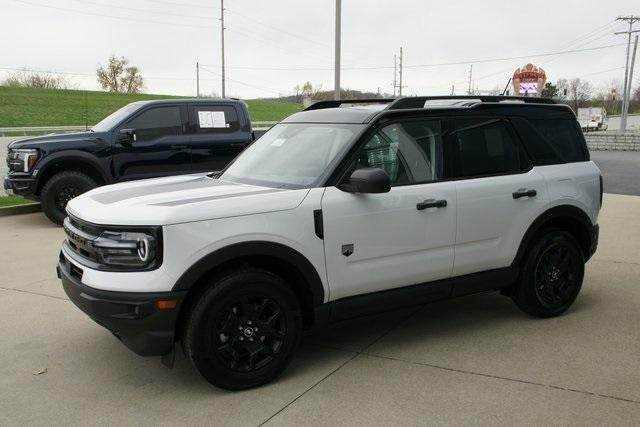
21,185
132,317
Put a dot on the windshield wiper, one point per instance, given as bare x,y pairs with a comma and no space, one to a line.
214,174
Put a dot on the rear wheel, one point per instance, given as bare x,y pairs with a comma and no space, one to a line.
551,276
61,188
242,331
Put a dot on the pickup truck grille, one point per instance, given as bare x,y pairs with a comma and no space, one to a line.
79,238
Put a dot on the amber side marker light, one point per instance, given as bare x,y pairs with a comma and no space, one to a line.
167,304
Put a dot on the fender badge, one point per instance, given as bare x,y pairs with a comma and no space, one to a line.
347,250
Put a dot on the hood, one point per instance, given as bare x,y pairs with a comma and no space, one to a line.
41,141
178,199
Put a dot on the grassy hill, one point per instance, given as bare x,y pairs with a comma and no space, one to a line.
50,107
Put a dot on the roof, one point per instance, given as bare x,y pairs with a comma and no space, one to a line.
190,100
364,111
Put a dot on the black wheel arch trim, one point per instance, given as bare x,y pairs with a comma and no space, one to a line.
254,248
86,159
557,212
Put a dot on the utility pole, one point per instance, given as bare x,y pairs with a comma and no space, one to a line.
395,74
197,79
336,83
222,40
470,90
453,90
400,80
633,63
625,94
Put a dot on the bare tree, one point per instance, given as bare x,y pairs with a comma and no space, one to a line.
577,91
309,91
608,95
36,79
119,77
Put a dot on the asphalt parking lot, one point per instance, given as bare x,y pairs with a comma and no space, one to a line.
474,360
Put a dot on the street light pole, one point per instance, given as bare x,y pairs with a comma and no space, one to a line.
336,85
222,40
625,96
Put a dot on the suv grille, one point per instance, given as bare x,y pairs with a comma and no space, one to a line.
79,236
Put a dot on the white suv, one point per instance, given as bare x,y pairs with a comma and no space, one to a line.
339,211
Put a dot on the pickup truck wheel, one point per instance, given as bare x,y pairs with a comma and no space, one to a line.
242,331
551,276
61,188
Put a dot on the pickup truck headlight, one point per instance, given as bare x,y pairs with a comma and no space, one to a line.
127,250
22,159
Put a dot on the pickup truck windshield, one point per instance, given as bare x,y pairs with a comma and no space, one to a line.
292,155
114,118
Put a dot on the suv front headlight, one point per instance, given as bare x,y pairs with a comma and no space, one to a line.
22,159
112,249
126,249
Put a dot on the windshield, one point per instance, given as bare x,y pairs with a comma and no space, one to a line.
291,155
114,118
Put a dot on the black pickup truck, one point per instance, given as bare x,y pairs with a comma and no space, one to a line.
144,139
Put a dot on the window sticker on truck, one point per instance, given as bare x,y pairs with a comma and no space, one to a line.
212,119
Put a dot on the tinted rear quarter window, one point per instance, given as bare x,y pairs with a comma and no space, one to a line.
564,137
551,141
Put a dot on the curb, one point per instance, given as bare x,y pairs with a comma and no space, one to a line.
20,209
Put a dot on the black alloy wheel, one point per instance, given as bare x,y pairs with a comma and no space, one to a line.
249,333
241,330
551,274
60,189
557,273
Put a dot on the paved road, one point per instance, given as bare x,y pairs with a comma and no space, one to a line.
474,360
620,169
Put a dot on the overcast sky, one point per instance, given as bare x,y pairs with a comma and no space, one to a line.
165,38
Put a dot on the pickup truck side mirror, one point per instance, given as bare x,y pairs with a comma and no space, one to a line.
368,180
126,136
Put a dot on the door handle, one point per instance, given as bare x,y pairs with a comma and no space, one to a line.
178,147
524,193
431,203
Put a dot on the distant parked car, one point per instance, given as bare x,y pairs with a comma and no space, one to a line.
141,140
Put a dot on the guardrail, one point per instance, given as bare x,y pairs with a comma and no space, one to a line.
12,131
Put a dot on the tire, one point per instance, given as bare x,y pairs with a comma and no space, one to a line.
61,188
242,331
551,276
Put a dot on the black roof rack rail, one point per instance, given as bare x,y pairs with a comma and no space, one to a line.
320,105
419,101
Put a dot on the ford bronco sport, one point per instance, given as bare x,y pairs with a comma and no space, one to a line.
342,210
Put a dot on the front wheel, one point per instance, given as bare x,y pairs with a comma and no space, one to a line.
242,331
551,275
60,189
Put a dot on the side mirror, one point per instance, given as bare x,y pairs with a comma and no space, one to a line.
126,136
368,180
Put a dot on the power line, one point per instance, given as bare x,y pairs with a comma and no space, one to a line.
101,15
294,35
133,9
68,73
279,92
440,64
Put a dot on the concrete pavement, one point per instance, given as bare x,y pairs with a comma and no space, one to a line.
474,360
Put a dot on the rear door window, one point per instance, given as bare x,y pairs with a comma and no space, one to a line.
483,147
